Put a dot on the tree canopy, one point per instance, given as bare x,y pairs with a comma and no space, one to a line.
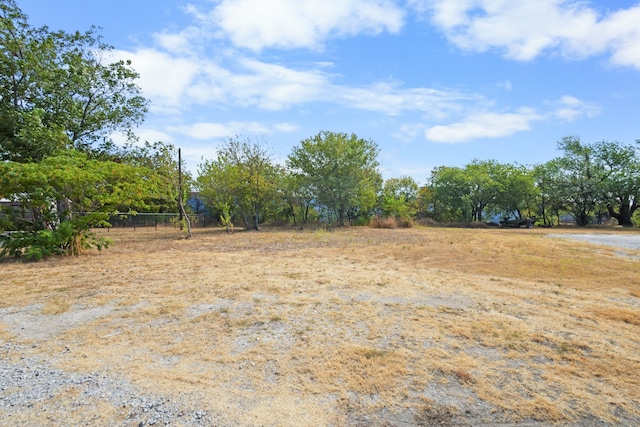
243,179
60,90
62,197
63,95
340,170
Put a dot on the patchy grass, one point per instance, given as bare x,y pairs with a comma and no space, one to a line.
352,327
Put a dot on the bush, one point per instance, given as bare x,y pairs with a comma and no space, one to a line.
388,223
405,223
428,222
69,238
391,223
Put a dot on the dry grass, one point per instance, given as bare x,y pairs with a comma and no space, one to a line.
353,327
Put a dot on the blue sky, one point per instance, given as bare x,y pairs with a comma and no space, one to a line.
432,82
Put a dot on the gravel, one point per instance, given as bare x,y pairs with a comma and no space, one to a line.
31,387
33,391
615,240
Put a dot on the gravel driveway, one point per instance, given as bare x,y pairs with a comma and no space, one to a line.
615,240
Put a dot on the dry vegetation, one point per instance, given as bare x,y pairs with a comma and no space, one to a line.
353,327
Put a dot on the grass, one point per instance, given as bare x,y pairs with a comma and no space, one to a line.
351,327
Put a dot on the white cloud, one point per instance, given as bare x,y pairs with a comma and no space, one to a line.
408,131
286,127
153,135
258,24
181,42
496,125
484,125
570,109
392,99
209,130
176,82
164,78
524,29
274,87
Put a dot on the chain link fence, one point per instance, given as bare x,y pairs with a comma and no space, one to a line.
156,220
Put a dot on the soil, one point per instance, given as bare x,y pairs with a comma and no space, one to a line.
347,328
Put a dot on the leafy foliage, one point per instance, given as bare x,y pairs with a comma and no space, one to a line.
340,171
243,179
60,90
398,198
64,196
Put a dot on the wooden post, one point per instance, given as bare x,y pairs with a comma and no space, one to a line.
180,208
183,214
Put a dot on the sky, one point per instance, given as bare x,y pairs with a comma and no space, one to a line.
431,82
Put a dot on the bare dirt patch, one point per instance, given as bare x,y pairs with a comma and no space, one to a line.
352,327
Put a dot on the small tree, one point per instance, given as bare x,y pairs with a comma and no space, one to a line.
243,176
398,198
93,191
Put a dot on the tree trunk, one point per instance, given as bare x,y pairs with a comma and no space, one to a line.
247,223
256,217
624,215
186,219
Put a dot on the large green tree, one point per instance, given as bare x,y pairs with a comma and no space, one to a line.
55,84
463,194
62,96
298,198
448,194
620,187
341,171
549,192
516,192
581,179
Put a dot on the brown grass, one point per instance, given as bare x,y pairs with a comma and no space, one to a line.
358,326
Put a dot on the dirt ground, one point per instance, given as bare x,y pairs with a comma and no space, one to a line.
359,326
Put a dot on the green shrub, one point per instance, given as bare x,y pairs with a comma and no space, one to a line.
69,238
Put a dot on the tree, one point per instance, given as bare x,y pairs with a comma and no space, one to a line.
94,190
449,194
581,179
341,171
298,196
398,198
485,186
516,191
463,194
243,177
620,187
62,95
162,158
550,199
55,84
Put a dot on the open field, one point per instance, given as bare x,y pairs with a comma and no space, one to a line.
359,326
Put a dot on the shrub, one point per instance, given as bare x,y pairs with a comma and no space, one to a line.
69,238
388,223
391,223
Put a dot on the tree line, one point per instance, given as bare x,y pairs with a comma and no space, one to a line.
63,97
587,181
335,177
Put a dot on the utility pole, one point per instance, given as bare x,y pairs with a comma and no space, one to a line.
180,205
183,214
